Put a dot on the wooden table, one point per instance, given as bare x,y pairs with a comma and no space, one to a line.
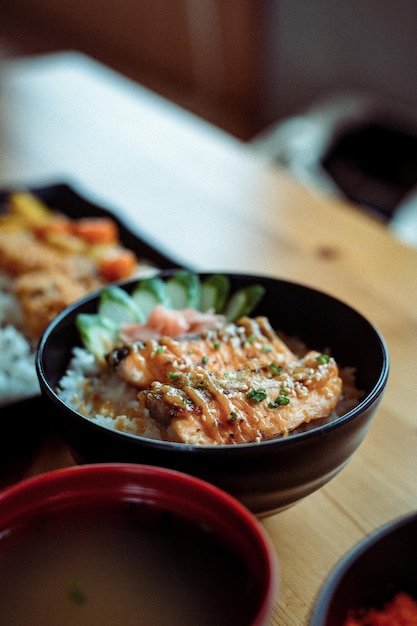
212,203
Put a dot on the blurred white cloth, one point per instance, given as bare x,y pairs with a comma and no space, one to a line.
298,143
404,222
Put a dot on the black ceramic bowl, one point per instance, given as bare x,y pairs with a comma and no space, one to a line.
370,575
266,477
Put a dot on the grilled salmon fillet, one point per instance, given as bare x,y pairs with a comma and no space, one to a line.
221,350
199,406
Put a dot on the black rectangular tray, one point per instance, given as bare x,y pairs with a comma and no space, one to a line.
22,421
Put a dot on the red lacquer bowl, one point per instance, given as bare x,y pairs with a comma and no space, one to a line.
142,519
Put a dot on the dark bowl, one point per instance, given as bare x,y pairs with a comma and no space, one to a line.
266,477
137,530
369,576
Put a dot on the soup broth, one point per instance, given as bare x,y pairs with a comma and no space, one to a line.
121,566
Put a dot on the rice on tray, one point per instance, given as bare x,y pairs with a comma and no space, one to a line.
18,379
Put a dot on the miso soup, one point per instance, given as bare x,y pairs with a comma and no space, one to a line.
121,565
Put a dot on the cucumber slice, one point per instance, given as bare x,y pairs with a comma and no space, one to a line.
118,306
148,293
213,293
183,291
98,334
243,302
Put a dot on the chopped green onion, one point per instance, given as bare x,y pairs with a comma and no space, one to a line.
256,395
323,359
279,401
275,369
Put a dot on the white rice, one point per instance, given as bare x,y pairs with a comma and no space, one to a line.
104,398
18,379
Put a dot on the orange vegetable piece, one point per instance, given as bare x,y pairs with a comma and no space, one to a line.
52,226
96,230
118,266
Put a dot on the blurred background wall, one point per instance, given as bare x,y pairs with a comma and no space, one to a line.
241,64
318,47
